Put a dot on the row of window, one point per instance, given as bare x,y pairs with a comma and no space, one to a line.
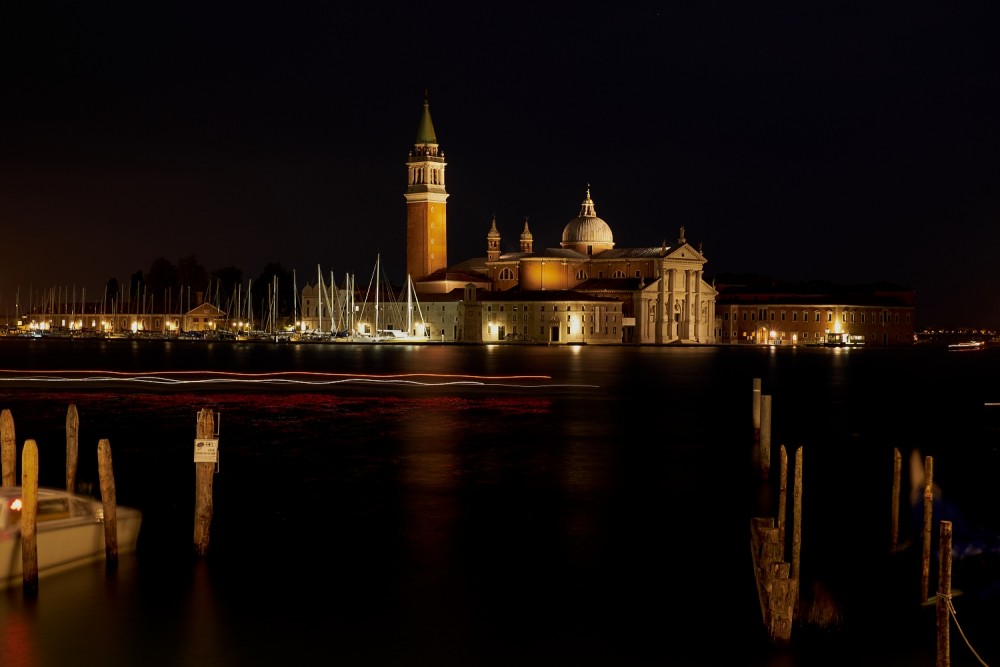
748,336
541,309
507,273
569,318
569,331
420,175
846,316
804,335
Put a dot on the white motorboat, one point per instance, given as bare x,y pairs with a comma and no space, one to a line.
968,345
69,532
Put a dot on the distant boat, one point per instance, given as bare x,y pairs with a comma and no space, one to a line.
70,532
967,345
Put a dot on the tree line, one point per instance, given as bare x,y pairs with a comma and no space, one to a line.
168,286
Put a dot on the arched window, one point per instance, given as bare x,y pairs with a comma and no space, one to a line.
506,274
618,274
581,274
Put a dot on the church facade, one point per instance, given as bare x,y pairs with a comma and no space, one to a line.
586,290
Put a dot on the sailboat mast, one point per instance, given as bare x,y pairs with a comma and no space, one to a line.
409,305
319,294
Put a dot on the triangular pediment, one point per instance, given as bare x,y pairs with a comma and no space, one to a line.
685,252
205,310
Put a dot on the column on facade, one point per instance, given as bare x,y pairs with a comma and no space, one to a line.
714,337
662,309
669,306
698,322
690,303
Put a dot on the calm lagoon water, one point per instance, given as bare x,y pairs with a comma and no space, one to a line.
595,513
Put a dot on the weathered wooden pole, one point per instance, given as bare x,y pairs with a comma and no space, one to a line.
29,517
765,436
782,495
944,598
109,499
72,446
797,520
756,408
204,473
8,450
925,569
897,466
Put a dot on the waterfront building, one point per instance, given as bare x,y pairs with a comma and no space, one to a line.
763,311
58,312
96,319
584,290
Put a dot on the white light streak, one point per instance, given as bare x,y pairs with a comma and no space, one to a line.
294,379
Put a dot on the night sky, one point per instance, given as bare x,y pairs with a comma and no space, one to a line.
806,141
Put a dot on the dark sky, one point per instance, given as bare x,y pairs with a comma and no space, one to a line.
853,142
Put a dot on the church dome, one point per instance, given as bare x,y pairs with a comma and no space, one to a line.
587,233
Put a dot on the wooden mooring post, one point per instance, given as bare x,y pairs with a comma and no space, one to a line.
108,498
782,494
765,436
8,450
897,466
204,473
29,518
796,522
777,579
776,590
72,446
925,568
756,409
944,598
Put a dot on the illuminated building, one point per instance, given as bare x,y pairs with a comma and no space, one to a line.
589,290
645,295
767,312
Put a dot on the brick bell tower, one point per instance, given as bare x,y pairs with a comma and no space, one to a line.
426,221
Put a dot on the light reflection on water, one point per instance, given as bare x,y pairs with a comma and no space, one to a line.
481,526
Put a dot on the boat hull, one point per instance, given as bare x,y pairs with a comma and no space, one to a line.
64,540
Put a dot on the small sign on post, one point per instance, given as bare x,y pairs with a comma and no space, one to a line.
206,450
206,456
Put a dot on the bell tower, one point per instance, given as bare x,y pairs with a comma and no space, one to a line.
426,226
493,242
